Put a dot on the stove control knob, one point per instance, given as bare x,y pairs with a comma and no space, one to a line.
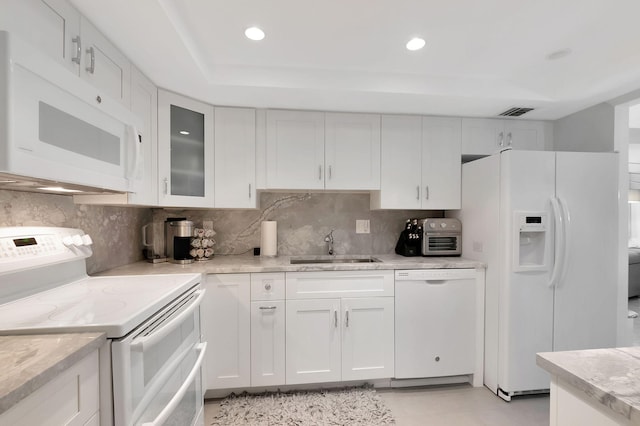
67,241
77,240
86,239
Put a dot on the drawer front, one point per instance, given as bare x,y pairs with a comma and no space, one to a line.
267,286
330,284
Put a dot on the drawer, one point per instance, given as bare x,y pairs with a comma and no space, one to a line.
331,284
267,286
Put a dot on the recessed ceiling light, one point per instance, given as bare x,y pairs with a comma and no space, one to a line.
415,43
184,132
558,54
254,33
58,189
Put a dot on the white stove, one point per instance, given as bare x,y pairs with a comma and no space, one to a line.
153,357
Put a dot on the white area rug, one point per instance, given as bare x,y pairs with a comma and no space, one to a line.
354,406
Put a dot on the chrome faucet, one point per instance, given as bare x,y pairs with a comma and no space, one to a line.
329,239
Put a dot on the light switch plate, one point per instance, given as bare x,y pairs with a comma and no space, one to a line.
363,226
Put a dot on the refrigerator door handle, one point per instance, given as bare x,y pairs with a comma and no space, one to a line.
566,235
559,241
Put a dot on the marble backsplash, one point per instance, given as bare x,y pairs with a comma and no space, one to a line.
303,221
115,230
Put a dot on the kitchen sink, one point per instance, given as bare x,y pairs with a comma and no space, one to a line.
333,259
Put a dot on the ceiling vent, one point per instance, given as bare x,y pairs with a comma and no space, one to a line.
515,112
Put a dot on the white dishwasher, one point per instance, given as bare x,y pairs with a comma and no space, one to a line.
435,322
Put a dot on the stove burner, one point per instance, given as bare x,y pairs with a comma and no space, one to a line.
88,312
26,315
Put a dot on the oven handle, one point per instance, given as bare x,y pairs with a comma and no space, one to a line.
171,406
139,343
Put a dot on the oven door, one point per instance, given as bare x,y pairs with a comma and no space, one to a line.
148,362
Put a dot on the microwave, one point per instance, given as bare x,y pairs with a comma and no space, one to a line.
56,127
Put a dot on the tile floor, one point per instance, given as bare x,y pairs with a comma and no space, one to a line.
454,405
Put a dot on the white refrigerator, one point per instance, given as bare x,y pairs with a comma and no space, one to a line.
545,224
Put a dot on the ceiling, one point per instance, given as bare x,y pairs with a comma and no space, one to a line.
481,57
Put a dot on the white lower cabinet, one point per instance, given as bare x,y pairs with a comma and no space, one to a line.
313,341
267,329
332,336
367,338
72,398
226,321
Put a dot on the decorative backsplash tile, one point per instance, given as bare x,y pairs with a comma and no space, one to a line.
115,230
303,221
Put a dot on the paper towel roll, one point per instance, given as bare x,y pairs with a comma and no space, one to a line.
269,238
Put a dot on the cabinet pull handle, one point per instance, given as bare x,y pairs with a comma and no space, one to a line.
267,308
501,137
418,192
78,43
166,186
319,172
335,319
510,139
346,318
249,191
329,172
92,65
426,192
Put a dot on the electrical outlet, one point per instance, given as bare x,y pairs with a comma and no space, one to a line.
363,226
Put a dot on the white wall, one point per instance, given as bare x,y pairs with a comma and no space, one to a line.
590,130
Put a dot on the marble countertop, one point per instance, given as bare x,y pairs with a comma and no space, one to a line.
250,263
30,361
610,377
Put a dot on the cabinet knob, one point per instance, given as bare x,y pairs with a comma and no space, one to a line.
267,286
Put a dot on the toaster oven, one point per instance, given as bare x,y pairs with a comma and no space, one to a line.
441,237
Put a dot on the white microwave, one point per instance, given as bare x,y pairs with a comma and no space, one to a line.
56,127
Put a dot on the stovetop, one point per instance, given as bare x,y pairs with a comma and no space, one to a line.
114,304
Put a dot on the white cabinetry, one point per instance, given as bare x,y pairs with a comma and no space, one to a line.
57,29
483,136
103,65
72,398
352,151
334,334
235,158
226,326
185,151
295,150
267,329
53,26
420,163
314,150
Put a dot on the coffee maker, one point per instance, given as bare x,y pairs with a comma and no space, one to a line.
177,236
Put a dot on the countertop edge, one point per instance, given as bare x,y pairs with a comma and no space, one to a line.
29,386
605,397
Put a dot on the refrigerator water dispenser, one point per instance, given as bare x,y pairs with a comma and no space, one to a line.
531,242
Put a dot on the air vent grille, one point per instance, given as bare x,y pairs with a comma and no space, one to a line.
515,112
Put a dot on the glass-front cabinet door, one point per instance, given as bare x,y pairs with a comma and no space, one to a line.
185,151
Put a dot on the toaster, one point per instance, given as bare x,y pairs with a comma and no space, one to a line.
441,237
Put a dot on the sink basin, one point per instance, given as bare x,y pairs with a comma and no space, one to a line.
302,260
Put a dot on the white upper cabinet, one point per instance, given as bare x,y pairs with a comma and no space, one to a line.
316,150
441,163
420,163
295,150
51,25
144,103
103,65
352,151
185,151
235,158
485,136
401,167
58,30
